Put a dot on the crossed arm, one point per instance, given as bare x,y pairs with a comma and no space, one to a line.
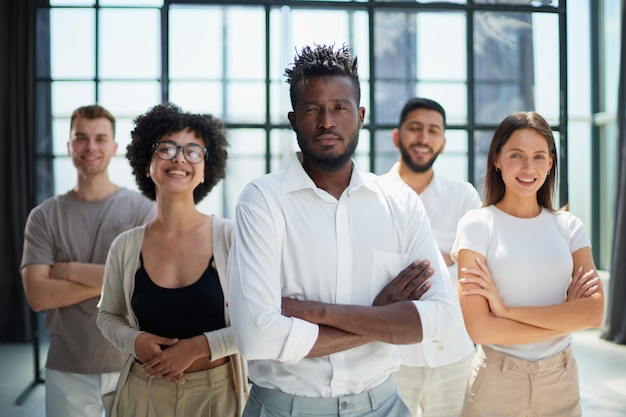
392,318
62,284
489,320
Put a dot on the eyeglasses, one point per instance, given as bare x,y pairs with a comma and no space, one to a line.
167,151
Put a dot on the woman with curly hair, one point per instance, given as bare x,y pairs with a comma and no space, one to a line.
164,291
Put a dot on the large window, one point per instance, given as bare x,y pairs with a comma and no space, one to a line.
481,60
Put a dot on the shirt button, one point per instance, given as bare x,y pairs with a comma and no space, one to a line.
344,405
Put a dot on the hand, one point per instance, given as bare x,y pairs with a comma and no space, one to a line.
582,285
409,284
484,287
59,270
169,364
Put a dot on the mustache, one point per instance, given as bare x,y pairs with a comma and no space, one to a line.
327,132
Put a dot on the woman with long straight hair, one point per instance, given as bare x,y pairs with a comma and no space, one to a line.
527,280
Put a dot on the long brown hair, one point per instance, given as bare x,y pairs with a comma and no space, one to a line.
493,184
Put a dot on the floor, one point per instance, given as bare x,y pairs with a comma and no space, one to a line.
602,367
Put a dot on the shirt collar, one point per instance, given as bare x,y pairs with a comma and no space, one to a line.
295,177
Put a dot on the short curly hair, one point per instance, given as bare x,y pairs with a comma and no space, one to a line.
166,119
323,60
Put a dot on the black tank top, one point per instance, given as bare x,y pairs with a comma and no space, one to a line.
179,312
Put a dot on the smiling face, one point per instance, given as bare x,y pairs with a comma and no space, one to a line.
91,145
177,175
420,139
524,162
327,119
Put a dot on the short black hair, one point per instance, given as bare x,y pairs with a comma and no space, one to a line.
421,103
165,119
323,60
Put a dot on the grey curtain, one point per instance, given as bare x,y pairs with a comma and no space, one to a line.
615,327
17,34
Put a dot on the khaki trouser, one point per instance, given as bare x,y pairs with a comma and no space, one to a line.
501,385
207,393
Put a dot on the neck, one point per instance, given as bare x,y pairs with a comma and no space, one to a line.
525,208
333,182
418,181
94,188
176,213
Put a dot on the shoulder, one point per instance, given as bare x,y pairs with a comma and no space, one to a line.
133,196
132,236
456,186
567,219
222,225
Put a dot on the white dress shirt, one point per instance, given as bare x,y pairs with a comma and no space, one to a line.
445,201
293,239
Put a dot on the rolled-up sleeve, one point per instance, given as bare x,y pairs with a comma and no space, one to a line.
254,296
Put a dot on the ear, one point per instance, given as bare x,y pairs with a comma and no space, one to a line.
395,134
292,120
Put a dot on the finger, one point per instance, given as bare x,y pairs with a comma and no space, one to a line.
417,294
418,281
591,290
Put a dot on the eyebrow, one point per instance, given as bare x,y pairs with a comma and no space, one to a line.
523,151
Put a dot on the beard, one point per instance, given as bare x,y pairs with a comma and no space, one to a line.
329,163
417,168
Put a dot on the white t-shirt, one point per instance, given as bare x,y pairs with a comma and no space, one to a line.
293,239
530,262
445,201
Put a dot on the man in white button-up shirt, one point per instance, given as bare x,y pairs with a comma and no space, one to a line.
313,305
433,376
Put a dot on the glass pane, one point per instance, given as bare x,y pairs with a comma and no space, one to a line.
121,173
283,144
546,66
516,65
453,98
245,102
64,175
578,59
482,140
214,202
242,46
72,43
129,99
362,154
196,53
140,3
198,96
67,96
72,2
441,52
452,163
415,48
280,103
386,152
536,3
129,43
60,136
246,161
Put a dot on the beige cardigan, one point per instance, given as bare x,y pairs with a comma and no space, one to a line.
119,325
